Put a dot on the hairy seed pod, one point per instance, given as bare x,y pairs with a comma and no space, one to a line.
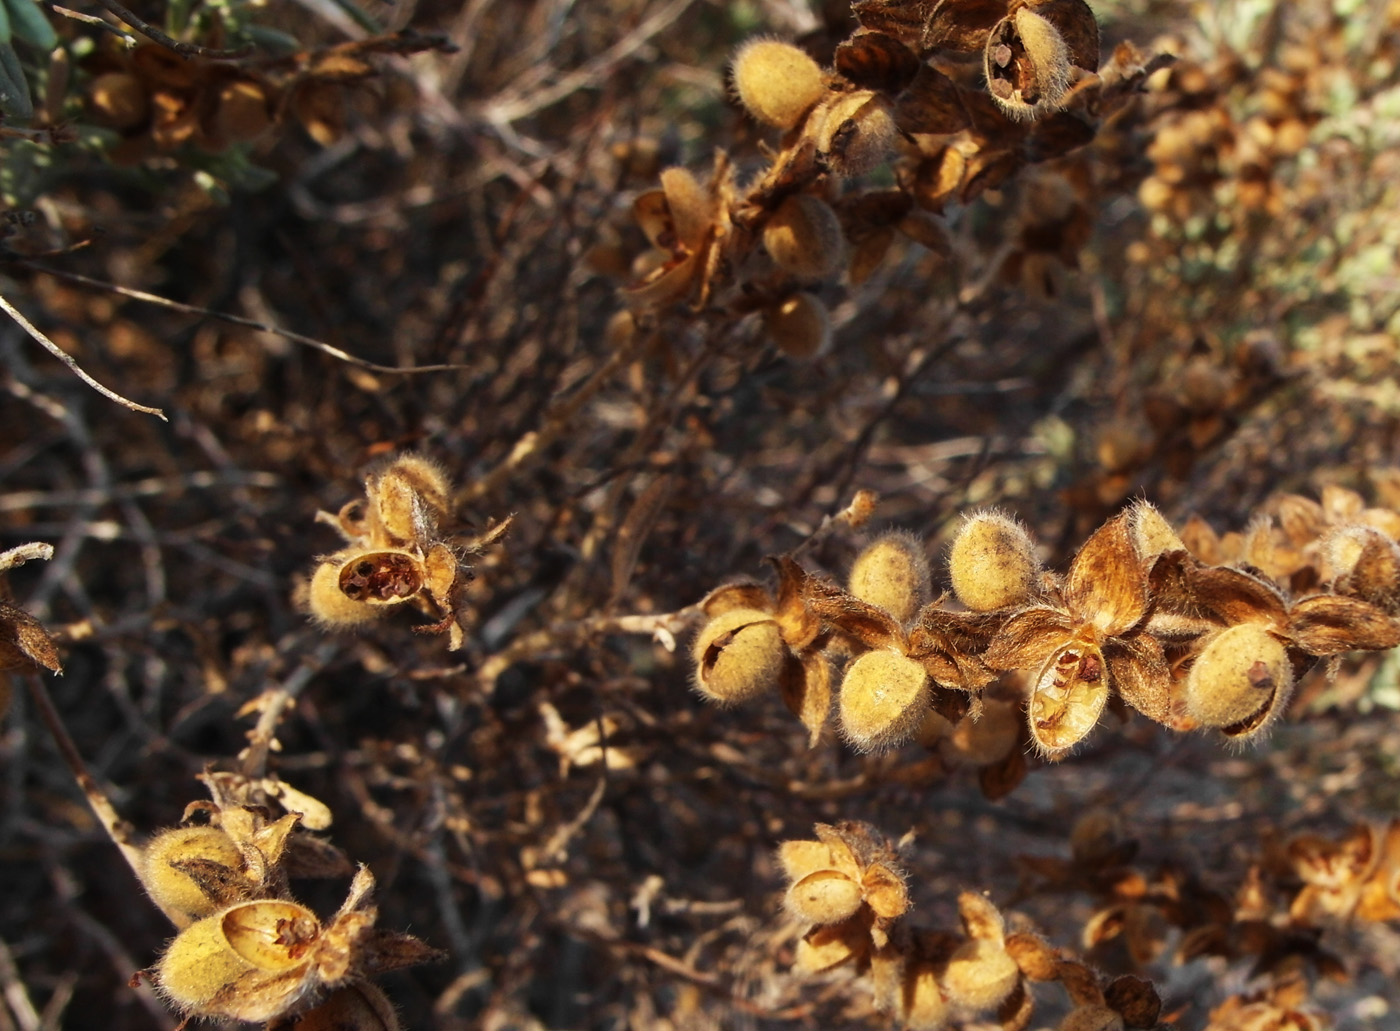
803,237
1365,563
799,326
922,1006
1152,535
776,82
328,604
992,563
1027,65
191,871
980,975
738,655
410,498
855,132
249,962
830,945
689,204
892,573
883,699
824,897
1240,681
118,100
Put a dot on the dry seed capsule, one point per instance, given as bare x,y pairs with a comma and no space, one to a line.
1239,681
883,699
980,975
1027,65
799,326
173,889
410,497
1363,562
992,563
328,604
803,237
855,132
776,82
738,654
824,897
893,574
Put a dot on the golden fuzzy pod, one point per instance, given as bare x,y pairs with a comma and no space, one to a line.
883,699
980,975
181,896
992,563
799,326
776,82
1241,679
824,897
855,132
892,573
803,237
738,654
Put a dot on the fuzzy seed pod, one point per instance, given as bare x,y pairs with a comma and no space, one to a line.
831,945
803,237
922,1006
992,563
191,871
824,897
689,205
118,100
989,738
248,962
738,655
855,132
883,699
1240,681
409,497
980,975
1364,563
892,573
799,326
1027,64
776,82
328,604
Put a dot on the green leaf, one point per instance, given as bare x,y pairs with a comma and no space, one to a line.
353,9
31,25
15,100
4,26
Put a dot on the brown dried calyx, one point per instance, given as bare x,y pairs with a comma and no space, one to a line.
850,873
1034,53
399,552
25,646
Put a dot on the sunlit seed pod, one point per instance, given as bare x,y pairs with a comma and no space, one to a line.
1152,535
992,563
689,204
884,697
893,574
831,945
886,979
410,497
328,604
923,1007
1027,65
242,112
824,897
356,1007
198,966
1364,563
1068,698
989,738
118,100
776,82
799,858
855,132
387,577
1240,681
979,976
270,934
172,887
799,326
1092,1018
981,920
738,655
803,237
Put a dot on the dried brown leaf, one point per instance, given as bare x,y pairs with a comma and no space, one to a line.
1106,583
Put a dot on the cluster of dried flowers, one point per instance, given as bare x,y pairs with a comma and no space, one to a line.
1175,627
398,552
850,888
960,96
159,100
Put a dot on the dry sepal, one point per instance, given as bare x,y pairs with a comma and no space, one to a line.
400,551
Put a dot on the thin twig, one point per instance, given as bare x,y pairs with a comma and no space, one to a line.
117,829
271,706
88,19
238,320
16,995
183,49
72,364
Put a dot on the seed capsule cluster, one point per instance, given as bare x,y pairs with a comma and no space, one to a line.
398,552
850,890
1167,622
246,949
899,90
